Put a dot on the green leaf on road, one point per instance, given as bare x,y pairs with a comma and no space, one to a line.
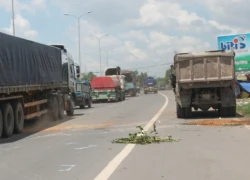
143,138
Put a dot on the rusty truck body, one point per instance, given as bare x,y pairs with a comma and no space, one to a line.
203,81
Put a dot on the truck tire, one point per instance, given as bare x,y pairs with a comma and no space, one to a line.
89,103
1,123
187,112
179,111
82,106
54,107
8,120
145,92
18,117
71,111
232,111
61,107
224,111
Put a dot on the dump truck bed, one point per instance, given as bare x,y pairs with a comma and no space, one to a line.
212,68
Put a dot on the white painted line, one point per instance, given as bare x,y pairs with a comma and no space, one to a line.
67,169
114,163
86,147
247,126
110,106
10,148
70,143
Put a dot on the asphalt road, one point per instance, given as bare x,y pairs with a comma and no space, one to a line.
79,148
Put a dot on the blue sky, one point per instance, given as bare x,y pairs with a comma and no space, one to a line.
142,32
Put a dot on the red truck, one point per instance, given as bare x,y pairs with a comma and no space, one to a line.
106,88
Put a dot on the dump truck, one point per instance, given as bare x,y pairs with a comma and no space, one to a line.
106,88
116,72
204,80
83,94
35,79
150,85
130,78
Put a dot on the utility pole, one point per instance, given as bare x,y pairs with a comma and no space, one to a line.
13,19
79,35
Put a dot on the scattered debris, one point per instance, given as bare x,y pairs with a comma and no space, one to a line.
220,122
143,138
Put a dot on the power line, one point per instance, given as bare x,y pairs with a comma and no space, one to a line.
152,66
164,64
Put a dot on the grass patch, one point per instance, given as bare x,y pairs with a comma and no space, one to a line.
243,109
141,137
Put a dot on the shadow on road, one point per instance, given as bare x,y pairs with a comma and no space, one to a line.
36,125
209,115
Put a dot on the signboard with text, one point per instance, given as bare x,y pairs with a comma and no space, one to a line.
241,45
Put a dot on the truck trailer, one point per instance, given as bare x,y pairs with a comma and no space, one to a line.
116,72
204,80
35,79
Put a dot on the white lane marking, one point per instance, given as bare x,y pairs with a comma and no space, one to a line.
70,143
67,169
86,147
114,163
51,135
110,106
6,149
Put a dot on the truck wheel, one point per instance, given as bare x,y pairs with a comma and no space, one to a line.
1,123
54,107
187,112
179,111
145,92
8,120
61,107
18,117
71,111
232,111
89,103
224,111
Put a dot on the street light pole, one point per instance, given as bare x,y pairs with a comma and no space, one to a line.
79,36
99,42
13,18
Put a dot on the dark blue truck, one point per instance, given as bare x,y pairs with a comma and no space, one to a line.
150,85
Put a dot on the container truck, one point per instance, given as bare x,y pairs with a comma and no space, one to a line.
116,71
130,79
150,85
83,94
35,79
204,80
106,88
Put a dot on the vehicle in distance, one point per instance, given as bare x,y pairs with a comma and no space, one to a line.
204,80
106,88
162,87
130,89
150,85
83,94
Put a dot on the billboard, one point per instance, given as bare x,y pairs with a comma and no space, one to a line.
241,45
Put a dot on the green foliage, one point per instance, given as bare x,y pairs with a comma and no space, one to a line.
244,109
143,138
88,76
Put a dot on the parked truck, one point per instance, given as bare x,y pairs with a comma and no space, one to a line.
130,82
106,88
83,94
116,72
203,81
150,85
35,79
